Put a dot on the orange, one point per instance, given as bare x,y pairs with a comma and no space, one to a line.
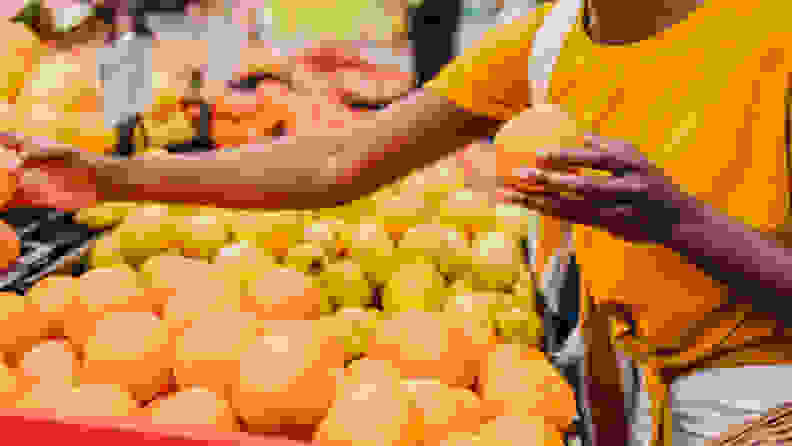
444,409
541,127
283,293
8,187
520,430
207,353
228,133
9,386
98,400
88,400
9,242
188,302
461,439
372,414
520,380
52,298
165,270
194,406
50,396
131,349
21,53
188,288
103,290
287,377
432,345
23,324
50,362
278,243
368,371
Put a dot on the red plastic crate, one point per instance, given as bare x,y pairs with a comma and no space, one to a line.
41,427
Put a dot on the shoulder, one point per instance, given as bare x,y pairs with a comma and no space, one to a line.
490,77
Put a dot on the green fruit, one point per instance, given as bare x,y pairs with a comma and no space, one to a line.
517,221
519,327
325,233
104,215
444,246
354,327
146,232
468,210
462,285
346,284
369,245
259,227
496,262
201,236
480,306
307,258
434,183
403,210
415,286
106,252
523,295
243,262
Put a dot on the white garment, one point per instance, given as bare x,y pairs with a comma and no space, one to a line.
225,39
478,17
710,402
513,9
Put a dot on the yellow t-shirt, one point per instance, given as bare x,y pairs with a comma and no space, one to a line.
704,100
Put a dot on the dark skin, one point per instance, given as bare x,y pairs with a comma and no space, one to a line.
638,203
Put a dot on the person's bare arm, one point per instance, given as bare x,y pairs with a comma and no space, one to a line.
302,172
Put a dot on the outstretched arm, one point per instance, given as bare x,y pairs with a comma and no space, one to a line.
309,171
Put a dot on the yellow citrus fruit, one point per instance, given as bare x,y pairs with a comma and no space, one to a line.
106,252
241,262
202,236
496,261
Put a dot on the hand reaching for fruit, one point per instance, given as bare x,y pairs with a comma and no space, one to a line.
635,201
51,174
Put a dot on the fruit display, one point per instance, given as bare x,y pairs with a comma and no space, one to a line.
61,97
20,56
401,318
348,325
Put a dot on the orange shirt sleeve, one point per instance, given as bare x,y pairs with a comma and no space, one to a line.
491,78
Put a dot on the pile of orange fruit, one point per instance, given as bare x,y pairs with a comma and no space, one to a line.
183,344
